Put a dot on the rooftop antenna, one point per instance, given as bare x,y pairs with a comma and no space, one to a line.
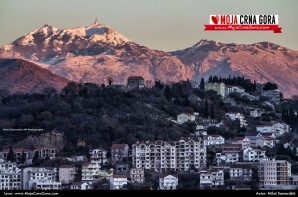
95,21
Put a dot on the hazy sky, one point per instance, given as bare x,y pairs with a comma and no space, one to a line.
157,24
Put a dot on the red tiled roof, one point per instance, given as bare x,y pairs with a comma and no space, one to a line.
135,78
243,166
119,176
16,150
118,146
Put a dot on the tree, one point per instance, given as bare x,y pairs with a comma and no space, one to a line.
254,86
206,109
202,84
168,93
23,158
212,115
35,159
10,155
270,86
110,80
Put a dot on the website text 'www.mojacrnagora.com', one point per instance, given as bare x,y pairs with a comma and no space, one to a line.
31,193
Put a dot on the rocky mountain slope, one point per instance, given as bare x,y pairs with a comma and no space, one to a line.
93,53
18,75
261,61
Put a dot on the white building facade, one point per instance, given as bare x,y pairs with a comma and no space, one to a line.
168,182
161,155
274,172
10,176
210,178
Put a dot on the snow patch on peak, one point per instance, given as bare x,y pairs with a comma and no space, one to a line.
203,42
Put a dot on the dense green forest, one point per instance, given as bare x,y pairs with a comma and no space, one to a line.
103,115
99,115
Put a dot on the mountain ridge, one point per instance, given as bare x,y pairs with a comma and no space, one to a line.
20,76
92,53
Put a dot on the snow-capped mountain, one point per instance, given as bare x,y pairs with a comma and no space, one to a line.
93,53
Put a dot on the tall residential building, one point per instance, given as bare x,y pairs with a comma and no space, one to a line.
67,173
40,178
10,176
211,177
274,172
137,175
98,155
92,172
218,87
119,152
182,155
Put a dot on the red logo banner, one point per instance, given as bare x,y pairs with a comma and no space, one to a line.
273,28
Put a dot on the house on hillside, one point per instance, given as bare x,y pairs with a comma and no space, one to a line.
135,82
168,182
185,117
119,152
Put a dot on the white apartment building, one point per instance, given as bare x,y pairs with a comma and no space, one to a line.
47,151
211,177
229,154
67,173
168,182
265,140
40,178
255,113
218,87
183,118
80,186
250,154
45,185
241,172
119,152
243,141
137,175
240,117
227,158
212,140
98,155
232,88
10,176
274,172
277,129
118,181
91,172
170,155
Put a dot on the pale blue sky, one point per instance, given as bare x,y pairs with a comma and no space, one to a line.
158,24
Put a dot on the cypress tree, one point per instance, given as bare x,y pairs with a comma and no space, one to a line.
212,115
23,158
206,108
35,159
168,93
202,84
10,155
